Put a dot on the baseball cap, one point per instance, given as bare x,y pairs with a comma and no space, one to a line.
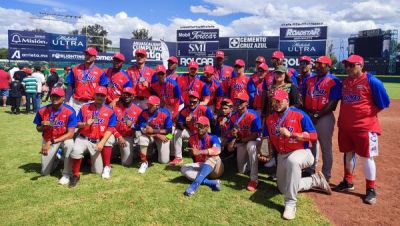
354,59
128,90
325,60
242,96
100,90
305,58
278,55
203,121
53,70
227,102
154,100
219,54
194,94
173,59
280,95
208,69
119,56
58,91
141,51
193,64
91,51
260,59
160,68
67,68
281,69
239,62
263,66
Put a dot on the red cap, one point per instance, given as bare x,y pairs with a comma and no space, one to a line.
160,68
219,54
67,68
208,69
119,56
91,51
173,59
100,90
53,70
129,90
239,62
154,100
194,94
28,71
227,101
263,66
141,51
193,64
325,60
242,96
203,121
280,95
278,55
260,59
58,91
305,58
354,59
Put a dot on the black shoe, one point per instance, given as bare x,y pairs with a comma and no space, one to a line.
74,181
370,197
344,186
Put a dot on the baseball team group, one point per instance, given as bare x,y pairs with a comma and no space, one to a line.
279,117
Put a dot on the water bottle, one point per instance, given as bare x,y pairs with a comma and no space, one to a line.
59,153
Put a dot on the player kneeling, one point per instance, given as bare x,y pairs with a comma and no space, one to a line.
57,122
290,130
96,122
205,149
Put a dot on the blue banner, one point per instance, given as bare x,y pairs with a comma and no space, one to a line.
67,42
303,33
28,54
249,42
198,49
27,40
299,48
78,57
197,35
201,61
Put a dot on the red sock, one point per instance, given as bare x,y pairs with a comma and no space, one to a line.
76,166
106,155
370,183
143,157
348,176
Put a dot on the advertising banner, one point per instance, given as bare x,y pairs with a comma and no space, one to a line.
197,49
184,61
27,40
28,54
67,42
197,35
249,42
299,48
303,33
157,51
78,56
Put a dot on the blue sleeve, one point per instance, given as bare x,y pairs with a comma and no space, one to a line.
234,75
336,90
205,91
251,89
256,124
181,118
38,119
79,117
70,79
168,120
141,121
264,85
103,79
215,141
209,114
217,130
113,120
265,132
154,78
129,82
307,124
379,94
72,122
219,91
304,88
177,90
294,80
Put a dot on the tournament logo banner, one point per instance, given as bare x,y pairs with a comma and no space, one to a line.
27,40
197,35
28,54
249,42
303,33
67,42
198,49
299,48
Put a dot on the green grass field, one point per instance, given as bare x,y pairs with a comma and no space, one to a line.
155,198
393,89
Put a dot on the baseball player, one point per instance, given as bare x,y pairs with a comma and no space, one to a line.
260,83
155,125
118,79
290,130
363,97
168,91
171,71
304,71
56,122
205,149
259,60
185,126
96,123
223,73
127,114
191,82
83,79
141,77
216,92
245,126
241,83
321,94
277,59
223,124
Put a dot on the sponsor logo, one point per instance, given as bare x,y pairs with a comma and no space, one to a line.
34,40
198,34
67,41
201,61
303,33
301,47
248,42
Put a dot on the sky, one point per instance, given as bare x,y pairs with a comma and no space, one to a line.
232,17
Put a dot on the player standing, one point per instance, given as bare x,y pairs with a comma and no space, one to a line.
223,73
241,83
216,92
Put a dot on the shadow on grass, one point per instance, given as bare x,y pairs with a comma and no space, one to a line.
180,180
36,168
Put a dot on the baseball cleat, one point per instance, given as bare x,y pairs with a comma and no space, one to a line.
252,185
106,172
74,181
322,183
143,167
176,162
370,197
289,213
64,180
191,189
344,186
217,186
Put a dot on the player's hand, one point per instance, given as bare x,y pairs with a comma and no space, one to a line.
46,123
195,151
235,132
121,142
162,137
231,146
99,147
45,148
188,119
89,122
262,158
149,129
285,132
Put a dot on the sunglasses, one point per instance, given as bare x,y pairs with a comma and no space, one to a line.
259,62
193,101
201,126
350,65
140,56
304,63
261,71
238,102
238,66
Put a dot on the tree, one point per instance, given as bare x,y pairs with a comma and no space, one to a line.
3,53
96,36
38,30
142,34
74,32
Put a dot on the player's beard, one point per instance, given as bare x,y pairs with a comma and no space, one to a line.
125,101
282,110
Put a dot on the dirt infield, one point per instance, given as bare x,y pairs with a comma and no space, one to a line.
348,208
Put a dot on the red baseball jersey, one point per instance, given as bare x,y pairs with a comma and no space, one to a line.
258,98
201,110
301,80
161,119
249,122
207,142
124,115
296,121
104,119
241,84
84,81
224,75
362,99
216,92
138,77
188,83
60,120
117,82
223,125
171,74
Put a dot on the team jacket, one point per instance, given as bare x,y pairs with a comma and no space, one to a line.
249,122
60,120
169,94
317,92
84,81
117,82
186,83
200,110
138,77
224,75
296,121
207,142
124,115
172,74
104,120
243,84
362,99
161,119
216,92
